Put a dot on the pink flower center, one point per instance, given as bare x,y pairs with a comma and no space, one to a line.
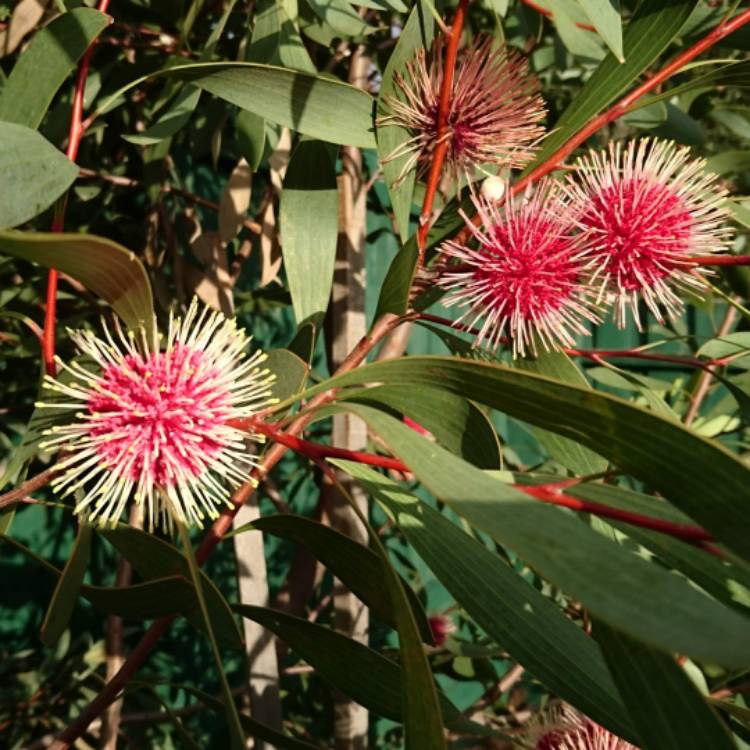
576,736
462,132
643,230
528,269
161,415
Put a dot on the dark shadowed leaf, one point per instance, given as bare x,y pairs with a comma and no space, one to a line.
639,597
667,709
68,588
43,67
683,466
106,268
512,612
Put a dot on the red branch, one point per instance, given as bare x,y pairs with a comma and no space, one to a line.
75,134
621,107
720,260
682,531
317,450
547,493
443,137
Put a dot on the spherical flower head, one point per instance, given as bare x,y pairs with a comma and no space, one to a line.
526,277
494,116
441,626
154,424
645,209
563,728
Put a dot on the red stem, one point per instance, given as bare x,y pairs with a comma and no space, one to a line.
682,531
620,108
443,139
75,134
720,260
317,450
597,355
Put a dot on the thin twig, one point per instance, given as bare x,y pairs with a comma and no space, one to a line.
75,134
704,379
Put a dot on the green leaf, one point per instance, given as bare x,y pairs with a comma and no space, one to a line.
357,566
252,727
666,707
153,558
139,601
732,75
512,612
341,17
67,589
651,29
729,345
578,41
726,580
250,131
605,17
394,294
43,67
456,423
307,103
358,671
570,453
234,726
290,371
149,600
682,466
106,268
636,596
172,121
34,174
417,33
309,222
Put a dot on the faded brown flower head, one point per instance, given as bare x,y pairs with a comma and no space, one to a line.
495,112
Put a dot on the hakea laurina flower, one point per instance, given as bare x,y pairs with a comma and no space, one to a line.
494,116
153,424
644,210
563,728
526,277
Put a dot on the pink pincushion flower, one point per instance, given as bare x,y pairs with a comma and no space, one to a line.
494,116
526,277
563,728
644,210
155,423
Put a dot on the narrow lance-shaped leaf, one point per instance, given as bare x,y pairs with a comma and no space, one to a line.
307,103
153,558
308,216
357,670
667,709
356,566
234,726
106,268
681,465
34,174
570,453
159,597
634,595
67,589
49,59
512,612
649,32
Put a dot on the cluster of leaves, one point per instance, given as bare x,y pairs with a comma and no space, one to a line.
201,115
